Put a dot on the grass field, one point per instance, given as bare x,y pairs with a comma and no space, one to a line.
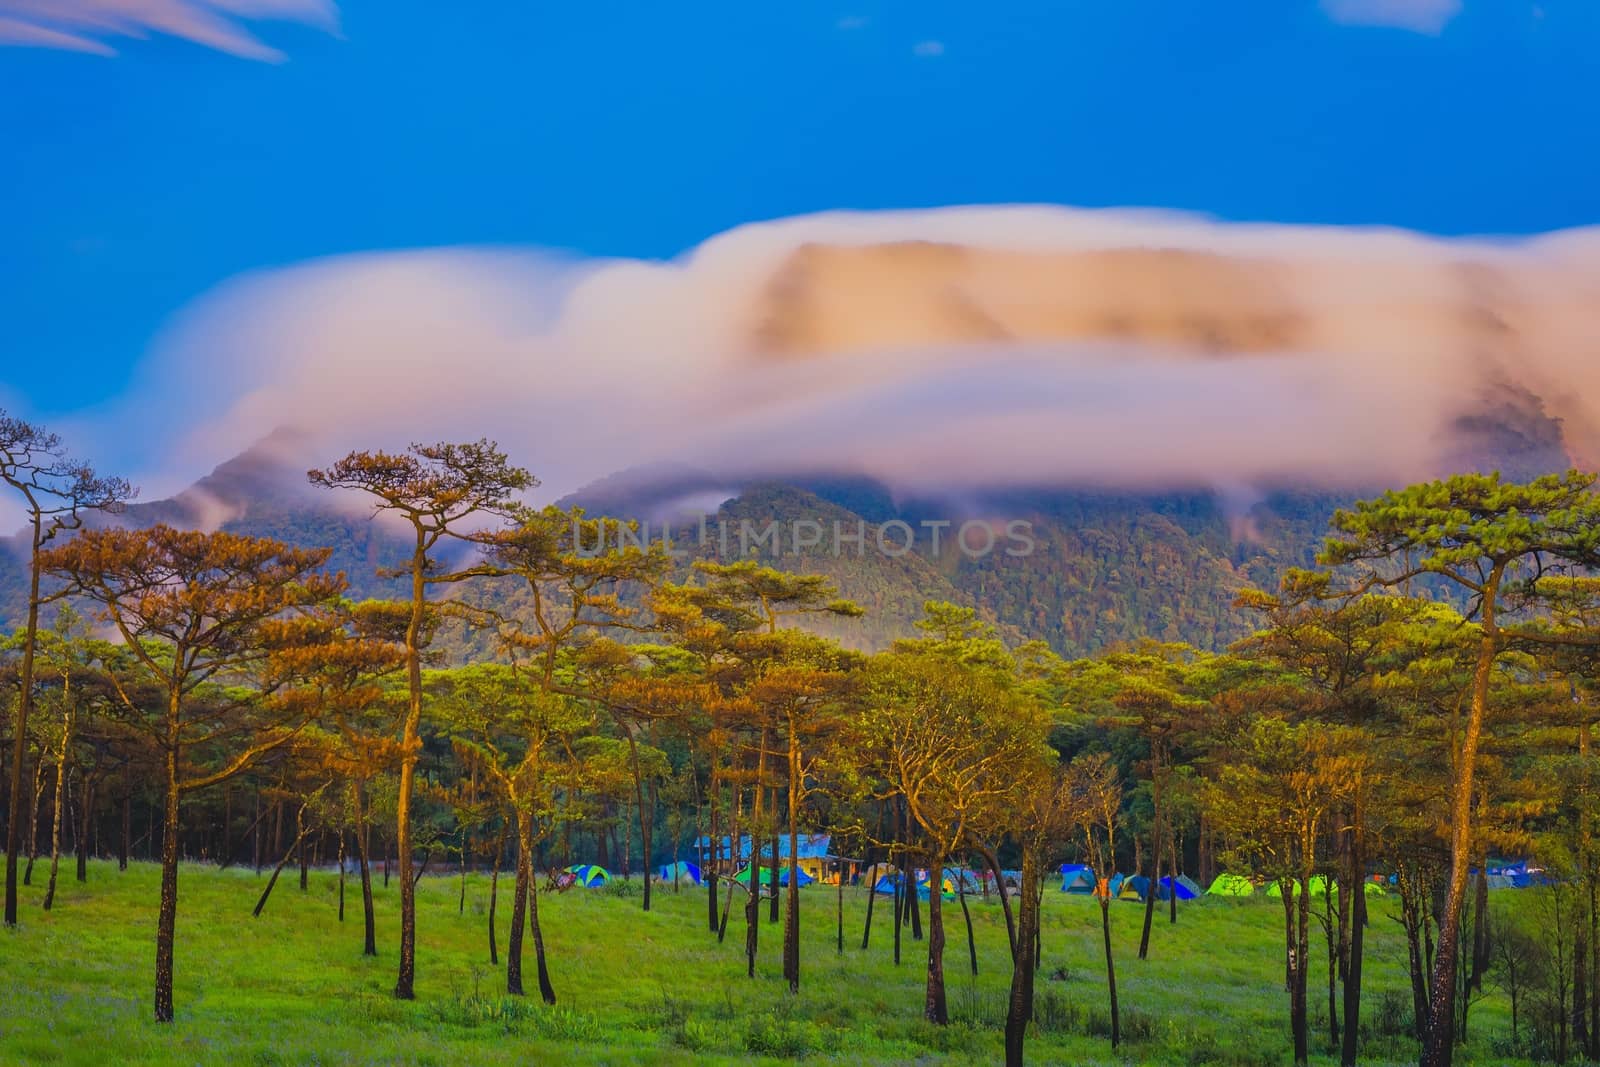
292,987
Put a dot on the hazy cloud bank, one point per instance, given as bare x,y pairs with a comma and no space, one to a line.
968,347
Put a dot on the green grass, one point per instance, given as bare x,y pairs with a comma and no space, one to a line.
635,987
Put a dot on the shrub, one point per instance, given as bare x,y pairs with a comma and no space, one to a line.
783,1038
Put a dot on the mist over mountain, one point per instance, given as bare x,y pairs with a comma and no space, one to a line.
1104,567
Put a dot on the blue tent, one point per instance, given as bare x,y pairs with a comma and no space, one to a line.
1134,887
588,875
685,872
1186,890
1076,878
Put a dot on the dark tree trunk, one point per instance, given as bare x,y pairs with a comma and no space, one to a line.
1299,951
899,909
547,992
709,870
369,919
839,914
915,900
1019,1004
1352,975
494,896
772,881
125,846
992,862
341,875
519,910
1111,970
288,854
1331,928
33,821
301,847
872,896
167,917
86,818
752,912
255,833
1155,888
934,1008
966,915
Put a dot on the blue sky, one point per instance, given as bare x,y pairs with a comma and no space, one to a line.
134,183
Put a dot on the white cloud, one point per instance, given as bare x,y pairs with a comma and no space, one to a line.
928,49
970,347
852,22
84,25
1421,16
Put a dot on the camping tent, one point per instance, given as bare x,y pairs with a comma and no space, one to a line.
1076,878
1187,890
588,874
743,877
1135,887
685,872
1319,885
1231,885
886,885
959,878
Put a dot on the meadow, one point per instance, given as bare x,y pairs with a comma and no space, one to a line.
652,988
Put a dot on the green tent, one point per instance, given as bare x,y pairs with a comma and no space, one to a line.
588,875
1231,885
1319,884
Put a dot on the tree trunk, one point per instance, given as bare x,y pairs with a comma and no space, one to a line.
519,907
752,912
1439,1045
1298,958
369,919
934,1008
167,916
791,926
410,745
839,913
288,854
33,821
966,915
547,992
1358,933
772,876
1019,1004
1111,970
341,875
1173,851
1331,929
993,863
872,896
899,907
494,896
55,824
126,844
644,813
709,870
1155,883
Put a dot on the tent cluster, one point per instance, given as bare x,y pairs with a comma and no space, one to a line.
1078,879
955,882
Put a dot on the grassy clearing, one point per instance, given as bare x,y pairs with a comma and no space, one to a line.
292,987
